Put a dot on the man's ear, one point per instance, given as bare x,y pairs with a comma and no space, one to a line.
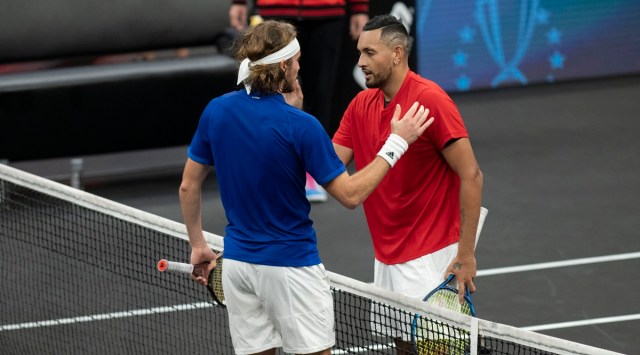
398,53
283,65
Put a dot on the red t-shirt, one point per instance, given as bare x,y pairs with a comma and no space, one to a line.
416,208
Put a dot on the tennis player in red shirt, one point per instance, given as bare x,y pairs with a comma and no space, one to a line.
424,215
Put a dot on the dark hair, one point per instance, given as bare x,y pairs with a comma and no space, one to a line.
258,42
393,32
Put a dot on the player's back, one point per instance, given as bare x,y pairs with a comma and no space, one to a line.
256,145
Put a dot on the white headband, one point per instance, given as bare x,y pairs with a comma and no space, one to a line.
283,54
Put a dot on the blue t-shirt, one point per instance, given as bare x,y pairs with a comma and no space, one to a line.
261,148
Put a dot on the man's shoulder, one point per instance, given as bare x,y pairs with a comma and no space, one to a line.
369,92
426,87
232,95
422,82
229,97
299,116
366,95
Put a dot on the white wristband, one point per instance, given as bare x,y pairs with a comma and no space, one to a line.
393,149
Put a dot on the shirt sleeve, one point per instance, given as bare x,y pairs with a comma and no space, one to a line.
320,159
359,7
200,148
447,124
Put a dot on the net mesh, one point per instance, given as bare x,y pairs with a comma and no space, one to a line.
79,276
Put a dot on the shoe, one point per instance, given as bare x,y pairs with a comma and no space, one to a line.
316,194
314,191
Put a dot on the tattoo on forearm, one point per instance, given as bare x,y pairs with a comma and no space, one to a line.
457,266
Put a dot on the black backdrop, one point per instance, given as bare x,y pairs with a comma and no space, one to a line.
44,29
104,112
128,114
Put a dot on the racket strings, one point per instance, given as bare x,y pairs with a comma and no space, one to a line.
448,298
216,282
442,347
436,338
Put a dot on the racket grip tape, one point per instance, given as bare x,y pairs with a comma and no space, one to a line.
166,265
175,266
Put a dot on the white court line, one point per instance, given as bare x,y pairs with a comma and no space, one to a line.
106,316
360,349
496,271
579,323
565,263
555,264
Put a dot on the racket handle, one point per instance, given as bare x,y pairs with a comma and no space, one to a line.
483,216
166,265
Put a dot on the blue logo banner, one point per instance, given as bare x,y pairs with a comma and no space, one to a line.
486,44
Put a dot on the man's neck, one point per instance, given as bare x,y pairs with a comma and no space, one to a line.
392,86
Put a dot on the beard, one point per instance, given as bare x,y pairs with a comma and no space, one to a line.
376,80
288,85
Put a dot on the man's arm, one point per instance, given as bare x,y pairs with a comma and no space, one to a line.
356,24
345,154
190,193
352,190
460,157
359,10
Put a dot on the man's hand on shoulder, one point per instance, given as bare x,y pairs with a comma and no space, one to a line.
413,123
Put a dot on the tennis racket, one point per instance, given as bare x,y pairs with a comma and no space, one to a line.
446,296
214,282
431,337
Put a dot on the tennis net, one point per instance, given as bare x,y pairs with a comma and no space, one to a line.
79,276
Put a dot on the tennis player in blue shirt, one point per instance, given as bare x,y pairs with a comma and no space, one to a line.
276,289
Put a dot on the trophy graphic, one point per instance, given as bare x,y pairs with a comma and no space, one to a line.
488,16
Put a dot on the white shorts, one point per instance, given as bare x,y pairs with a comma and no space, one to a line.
415,279
272,306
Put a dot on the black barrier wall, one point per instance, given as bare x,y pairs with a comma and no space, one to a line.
76,108
72,106
45,29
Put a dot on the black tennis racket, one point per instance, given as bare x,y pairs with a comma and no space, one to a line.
214,282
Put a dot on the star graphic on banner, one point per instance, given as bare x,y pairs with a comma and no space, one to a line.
553,36
557,60
466,35
463,83
542,16
460,59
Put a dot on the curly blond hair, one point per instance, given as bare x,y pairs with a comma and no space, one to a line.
258,42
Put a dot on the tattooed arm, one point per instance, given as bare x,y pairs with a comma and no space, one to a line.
460,157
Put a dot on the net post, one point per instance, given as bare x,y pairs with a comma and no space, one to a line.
77,165
2,185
